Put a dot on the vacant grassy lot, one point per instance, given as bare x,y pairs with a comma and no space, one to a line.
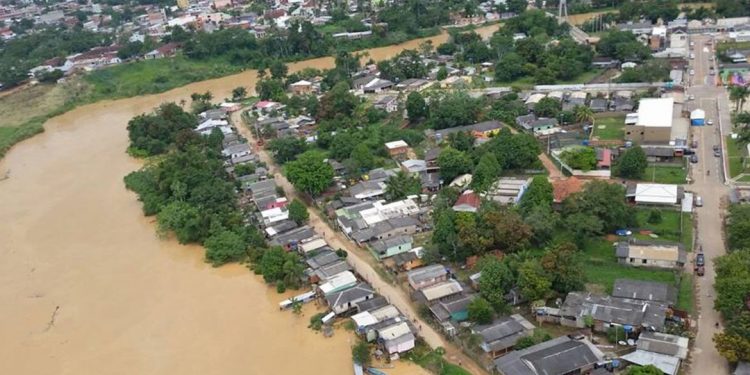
735,154
609,128
685,293
665,174
602,269
675,226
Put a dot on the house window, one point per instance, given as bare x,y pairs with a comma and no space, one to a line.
644,261
632,260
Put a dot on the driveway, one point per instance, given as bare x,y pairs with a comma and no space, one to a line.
705,359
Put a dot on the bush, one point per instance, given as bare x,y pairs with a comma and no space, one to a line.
280,287
316,321
654,217
615,334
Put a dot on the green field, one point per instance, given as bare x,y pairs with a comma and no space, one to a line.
685,296
602,269
609,128
735,155
665,174
670,228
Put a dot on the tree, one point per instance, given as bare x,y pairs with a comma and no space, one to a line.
654,216
495,282
533,281
298,212
224,246
461,141
539,194
738,227
507,229
453,163
286,149
154,133
547,107
451,109
583,114
486,172
738,95
442,74
543,222
445,234
644,370
278,70
632,164
239,93
363,157
616,334
563,266
605,202
583,158
732,283
734,343
310,173
416,108
622,45
361,353
337,102
181,218
509,67
480,311
471,240
402,185
584,226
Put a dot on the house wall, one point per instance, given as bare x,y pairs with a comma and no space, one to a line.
396,250
340,309
639,262
398,151
648,134
427,283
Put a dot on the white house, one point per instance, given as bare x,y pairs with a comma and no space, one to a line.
657,194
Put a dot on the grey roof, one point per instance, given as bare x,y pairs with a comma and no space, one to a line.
402,258
480,127
663,343
503,333
322,259
633,26
524,120
352,294
426,273
402,222
372,304
263,200
380,174
284,226
598,104
295,235
451,305
331,269
359,82
260,186
544,121
432,154
430,180
645,290
235,149
365,186
214,114
614,310
558,356
658,151
382,246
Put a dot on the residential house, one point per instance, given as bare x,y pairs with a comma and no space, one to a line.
577,98
439,291
290,239
508,190
467,202
391,246
312,244
431,157
501,335
654,124
397,148
345,300
272,215
397,338
561,355
452,308
338,168
337,283
525,121
372,304
542,125
659,154
607,311
322,259
622,104
387,103
533,99
603,158
479,130
361,82
430,182
236,151
413,84
427,276
414,166
166,50
376,86
367,189
598,105
605,63
371,312
280,227
301,87
328,271
662,350
404,261
642,28
262,187
562,189
641,253
645,291
656,194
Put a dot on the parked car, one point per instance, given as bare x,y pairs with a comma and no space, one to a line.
693,158
710,122
623,232
717,153
698,201
692,72
700,260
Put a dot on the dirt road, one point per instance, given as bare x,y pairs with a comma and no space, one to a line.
360,259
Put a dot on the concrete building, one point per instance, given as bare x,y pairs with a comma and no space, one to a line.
507,190
651,254
562,355
654,125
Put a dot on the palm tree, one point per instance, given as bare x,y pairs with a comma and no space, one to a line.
739,94
583,114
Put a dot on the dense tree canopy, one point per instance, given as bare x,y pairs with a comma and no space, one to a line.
453,163
402,185
738,227
603,202
622,45
632,163
310,173
153,133
448,110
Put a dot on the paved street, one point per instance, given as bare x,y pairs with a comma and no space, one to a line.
360,260
705,358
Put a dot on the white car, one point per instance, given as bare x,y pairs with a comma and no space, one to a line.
710,122
691,97
692,72
692,44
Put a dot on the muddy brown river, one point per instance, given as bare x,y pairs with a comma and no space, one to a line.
88,288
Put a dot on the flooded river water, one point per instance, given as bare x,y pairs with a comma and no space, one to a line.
88,288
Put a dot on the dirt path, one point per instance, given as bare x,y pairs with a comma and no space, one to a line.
359,259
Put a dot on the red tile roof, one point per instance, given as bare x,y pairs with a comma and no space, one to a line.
468,198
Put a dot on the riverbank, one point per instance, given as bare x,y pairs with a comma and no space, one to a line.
30,108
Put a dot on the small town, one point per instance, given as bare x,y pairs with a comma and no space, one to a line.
500,187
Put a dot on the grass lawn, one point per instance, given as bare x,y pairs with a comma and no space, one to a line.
735,154
665,174
685,294
585,77
609,128
527,82
433,360
745,178
669,228
601,267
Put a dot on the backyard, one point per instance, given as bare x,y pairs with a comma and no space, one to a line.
608,127
665,174
675,226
